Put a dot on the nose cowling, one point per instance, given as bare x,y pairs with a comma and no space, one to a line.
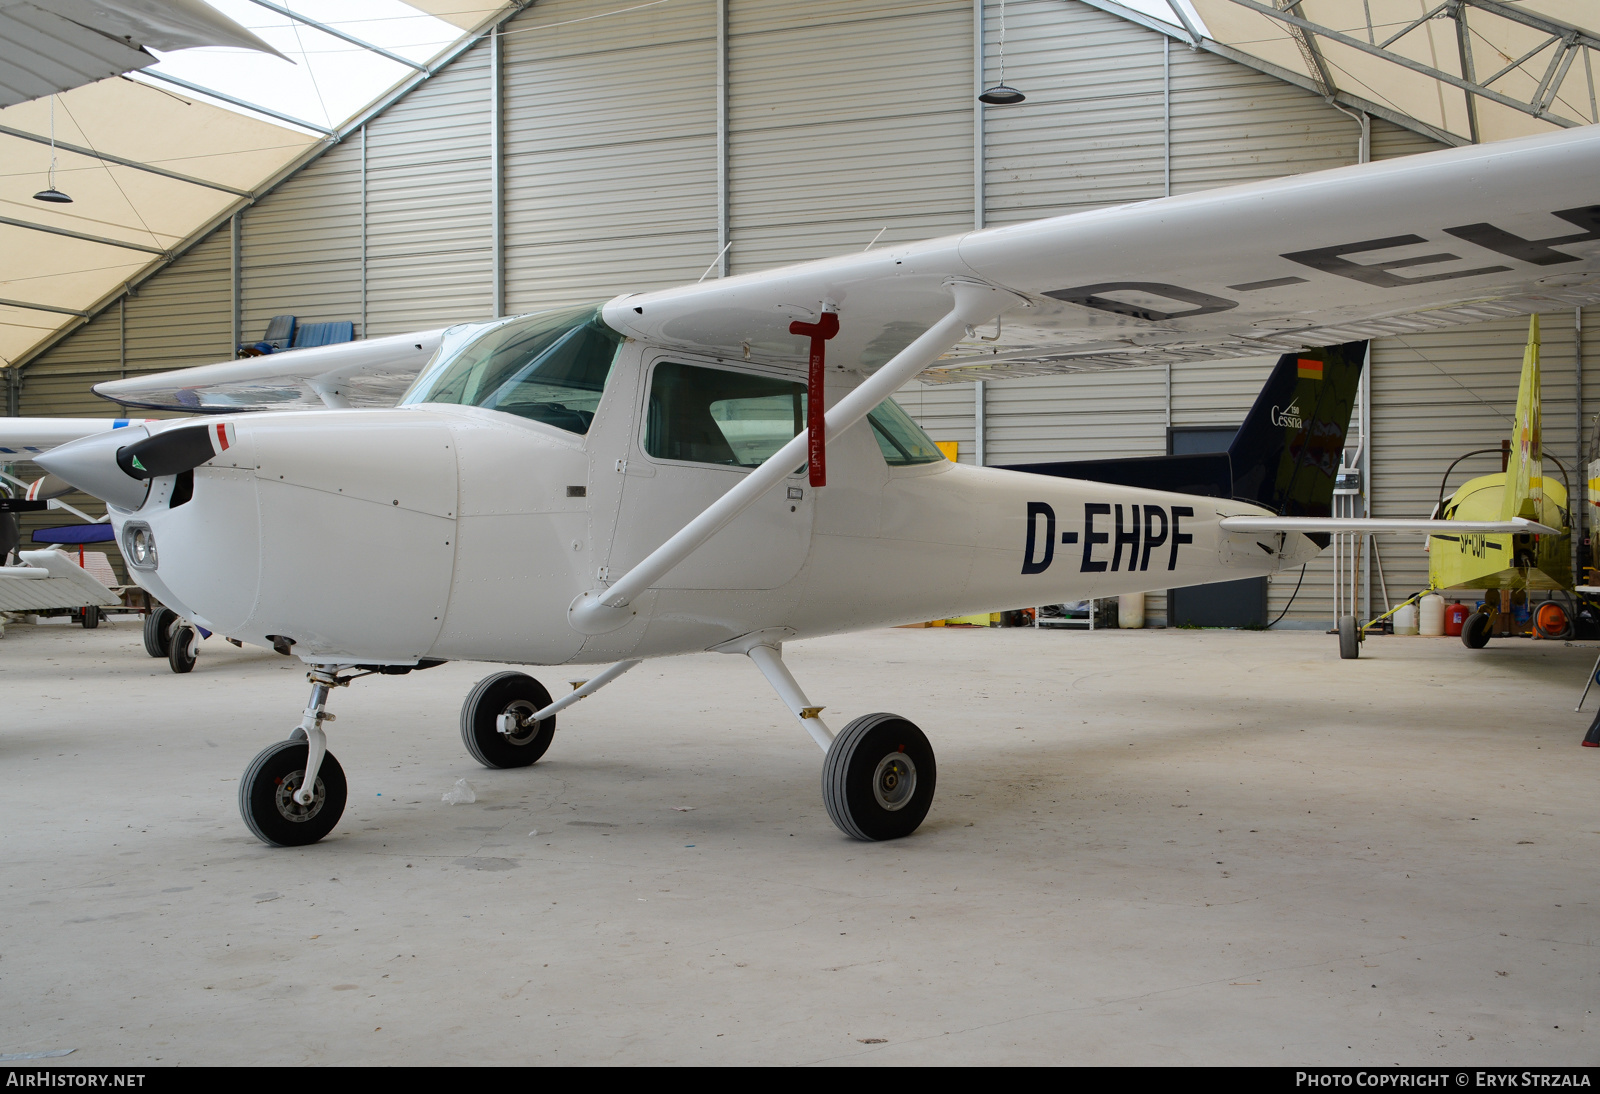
335,529
358,530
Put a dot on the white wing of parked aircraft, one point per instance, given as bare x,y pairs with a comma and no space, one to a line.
1427,241
721,466
371,372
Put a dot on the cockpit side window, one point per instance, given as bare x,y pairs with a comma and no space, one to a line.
549,368
712,415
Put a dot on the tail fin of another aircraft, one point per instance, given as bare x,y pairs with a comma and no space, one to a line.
1525,471
1285,456
1288,451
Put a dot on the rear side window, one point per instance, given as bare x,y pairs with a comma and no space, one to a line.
710,415
901,440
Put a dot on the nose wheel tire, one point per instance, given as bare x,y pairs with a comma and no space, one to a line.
515,695
1349,638
266,796
158,631
1475,631
181,652
878,778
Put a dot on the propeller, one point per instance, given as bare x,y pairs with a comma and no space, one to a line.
119,473
171,452
51,486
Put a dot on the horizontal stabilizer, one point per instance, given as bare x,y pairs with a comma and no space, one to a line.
1335,525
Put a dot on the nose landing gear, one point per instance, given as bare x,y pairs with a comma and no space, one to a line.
294,791
270,790
167,635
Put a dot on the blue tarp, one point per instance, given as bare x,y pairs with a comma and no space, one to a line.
76,533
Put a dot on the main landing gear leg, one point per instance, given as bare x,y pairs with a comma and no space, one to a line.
294,791
878,773
769,659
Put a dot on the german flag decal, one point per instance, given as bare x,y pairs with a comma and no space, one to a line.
1309,369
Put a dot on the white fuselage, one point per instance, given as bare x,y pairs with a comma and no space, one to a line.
452,532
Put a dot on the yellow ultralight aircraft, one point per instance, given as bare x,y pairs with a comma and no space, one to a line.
1508,563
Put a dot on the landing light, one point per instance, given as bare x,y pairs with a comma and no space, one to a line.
141,543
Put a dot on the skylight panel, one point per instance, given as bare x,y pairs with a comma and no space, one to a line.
328,79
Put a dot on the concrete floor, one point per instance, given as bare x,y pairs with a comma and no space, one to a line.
1147,847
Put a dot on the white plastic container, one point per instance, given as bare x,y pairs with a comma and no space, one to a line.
1405,620
1130,611
1430,616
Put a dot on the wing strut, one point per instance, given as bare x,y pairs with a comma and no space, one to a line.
601,610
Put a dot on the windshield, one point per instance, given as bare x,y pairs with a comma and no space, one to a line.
550,367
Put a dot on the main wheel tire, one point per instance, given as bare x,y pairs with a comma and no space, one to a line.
266,796
180,650
158,631
1475,631
90,618
1349,638
506,693
878,778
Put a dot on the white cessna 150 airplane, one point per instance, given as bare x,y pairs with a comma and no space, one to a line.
720,467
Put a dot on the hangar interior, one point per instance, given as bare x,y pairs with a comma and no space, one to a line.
1155,847
530,156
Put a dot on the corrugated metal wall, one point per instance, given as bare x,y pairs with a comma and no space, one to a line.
429,259
838,130
300,248
841,120
610,150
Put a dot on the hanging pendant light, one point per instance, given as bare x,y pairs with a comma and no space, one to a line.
51,194
1001,94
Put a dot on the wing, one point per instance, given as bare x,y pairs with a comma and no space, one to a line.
1427,241
371,372
50,580
23,438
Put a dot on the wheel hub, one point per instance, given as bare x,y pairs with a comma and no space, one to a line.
519,717
895,781
292,810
